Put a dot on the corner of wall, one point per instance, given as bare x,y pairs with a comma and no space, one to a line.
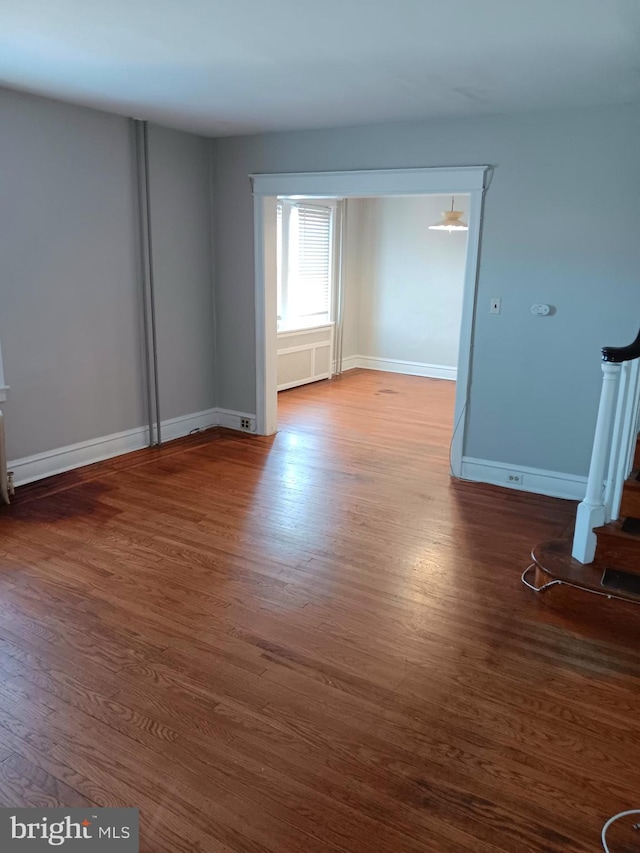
213,148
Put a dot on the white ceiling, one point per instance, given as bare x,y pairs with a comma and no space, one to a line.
221,67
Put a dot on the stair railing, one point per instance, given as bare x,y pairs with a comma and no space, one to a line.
613,446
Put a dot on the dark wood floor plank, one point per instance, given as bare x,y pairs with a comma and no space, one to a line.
26,784
315,641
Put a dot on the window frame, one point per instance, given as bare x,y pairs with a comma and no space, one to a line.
287,322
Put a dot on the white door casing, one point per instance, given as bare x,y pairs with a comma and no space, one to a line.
469,180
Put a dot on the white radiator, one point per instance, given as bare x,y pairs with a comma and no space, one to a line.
304,355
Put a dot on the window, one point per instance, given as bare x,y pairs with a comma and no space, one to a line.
305,263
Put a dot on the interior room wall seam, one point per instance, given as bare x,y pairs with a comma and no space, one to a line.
212,149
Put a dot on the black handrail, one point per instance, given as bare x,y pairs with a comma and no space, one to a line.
616,355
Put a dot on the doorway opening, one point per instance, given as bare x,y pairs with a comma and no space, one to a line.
302,222
369,283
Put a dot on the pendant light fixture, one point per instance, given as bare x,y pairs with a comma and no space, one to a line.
450,221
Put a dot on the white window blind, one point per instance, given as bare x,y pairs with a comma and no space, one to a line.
304,268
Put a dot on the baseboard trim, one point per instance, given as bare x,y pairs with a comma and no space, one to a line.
183,425
394,365
552,483
231,419
61,459
348,363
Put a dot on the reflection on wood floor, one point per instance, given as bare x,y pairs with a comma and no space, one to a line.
312,642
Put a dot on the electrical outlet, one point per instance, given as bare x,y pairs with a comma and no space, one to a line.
515,478
245,423
496,304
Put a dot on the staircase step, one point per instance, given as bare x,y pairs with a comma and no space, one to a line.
619,545
630,506
553,561
619,581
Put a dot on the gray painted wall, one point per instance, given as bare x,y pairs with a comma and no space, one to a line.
354,271
181,232
69,304
560,227
408,280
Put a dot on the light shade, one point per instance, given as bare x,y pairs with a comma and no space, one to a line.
450,221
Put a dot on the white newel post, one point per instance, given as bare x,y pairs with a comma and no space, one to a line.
592,512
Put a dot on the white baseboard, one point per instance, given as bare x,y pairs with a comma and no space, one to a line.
394,365
183,425
348,363
537,480
233,420
40,465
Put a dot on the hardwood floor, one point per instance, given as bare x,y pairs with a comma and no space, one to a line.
314,642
